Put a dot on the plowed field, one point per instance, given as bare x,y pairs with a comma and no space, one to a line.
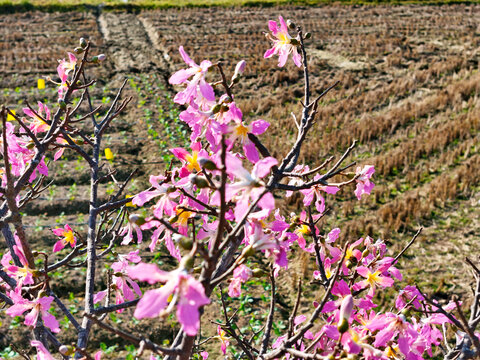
409,93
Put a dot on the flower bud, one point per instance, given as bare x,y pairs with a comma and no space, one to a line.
239,69
30,145
137,219
36,273
173,219
185,243
94,59
62,103
187,262
207,164
66,350
407,312
171,189
346,308
294,42
78,50
343,326
199,181
307,35
83,43
216,108
248,251
258,273
101,57
291,25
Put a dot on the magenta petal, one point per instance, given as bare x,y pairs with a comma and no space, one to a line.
297,59
187,311
272,25
72,58
147,272
185,57
144,197
282,58
99,296
269,53
31,317
383,336
283,25
17,309
42,352
29,112
363,271
180,77
58,231
259,126
59,245
50,322
251,152
331,189
206,90
152,303
267,202
180,153
262,168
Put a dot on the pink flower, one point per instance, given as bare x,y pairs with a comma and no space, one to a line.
314,193
37,124
35,308
65,67
198,72
125,288
364,185
190,161
187,293
282,43
165,205
372,280
250,184
42,352
67,238
240,275
221,335
240,131
204,355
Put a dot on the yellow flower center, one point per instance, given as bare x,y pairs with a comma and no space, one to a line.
192,162
68,237
283,39
241,131
183,217
349,253
373,278
304,229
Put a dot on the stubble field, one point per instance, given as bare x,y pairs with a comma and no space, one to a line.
409,94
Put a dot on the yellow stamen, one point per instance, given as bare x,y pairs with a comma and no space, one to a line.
192,163
241,131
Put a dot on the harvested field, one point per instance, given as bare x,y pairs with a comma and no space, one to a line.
409,94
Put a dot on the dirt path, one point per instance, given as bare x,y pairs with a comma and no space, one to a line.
130,43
